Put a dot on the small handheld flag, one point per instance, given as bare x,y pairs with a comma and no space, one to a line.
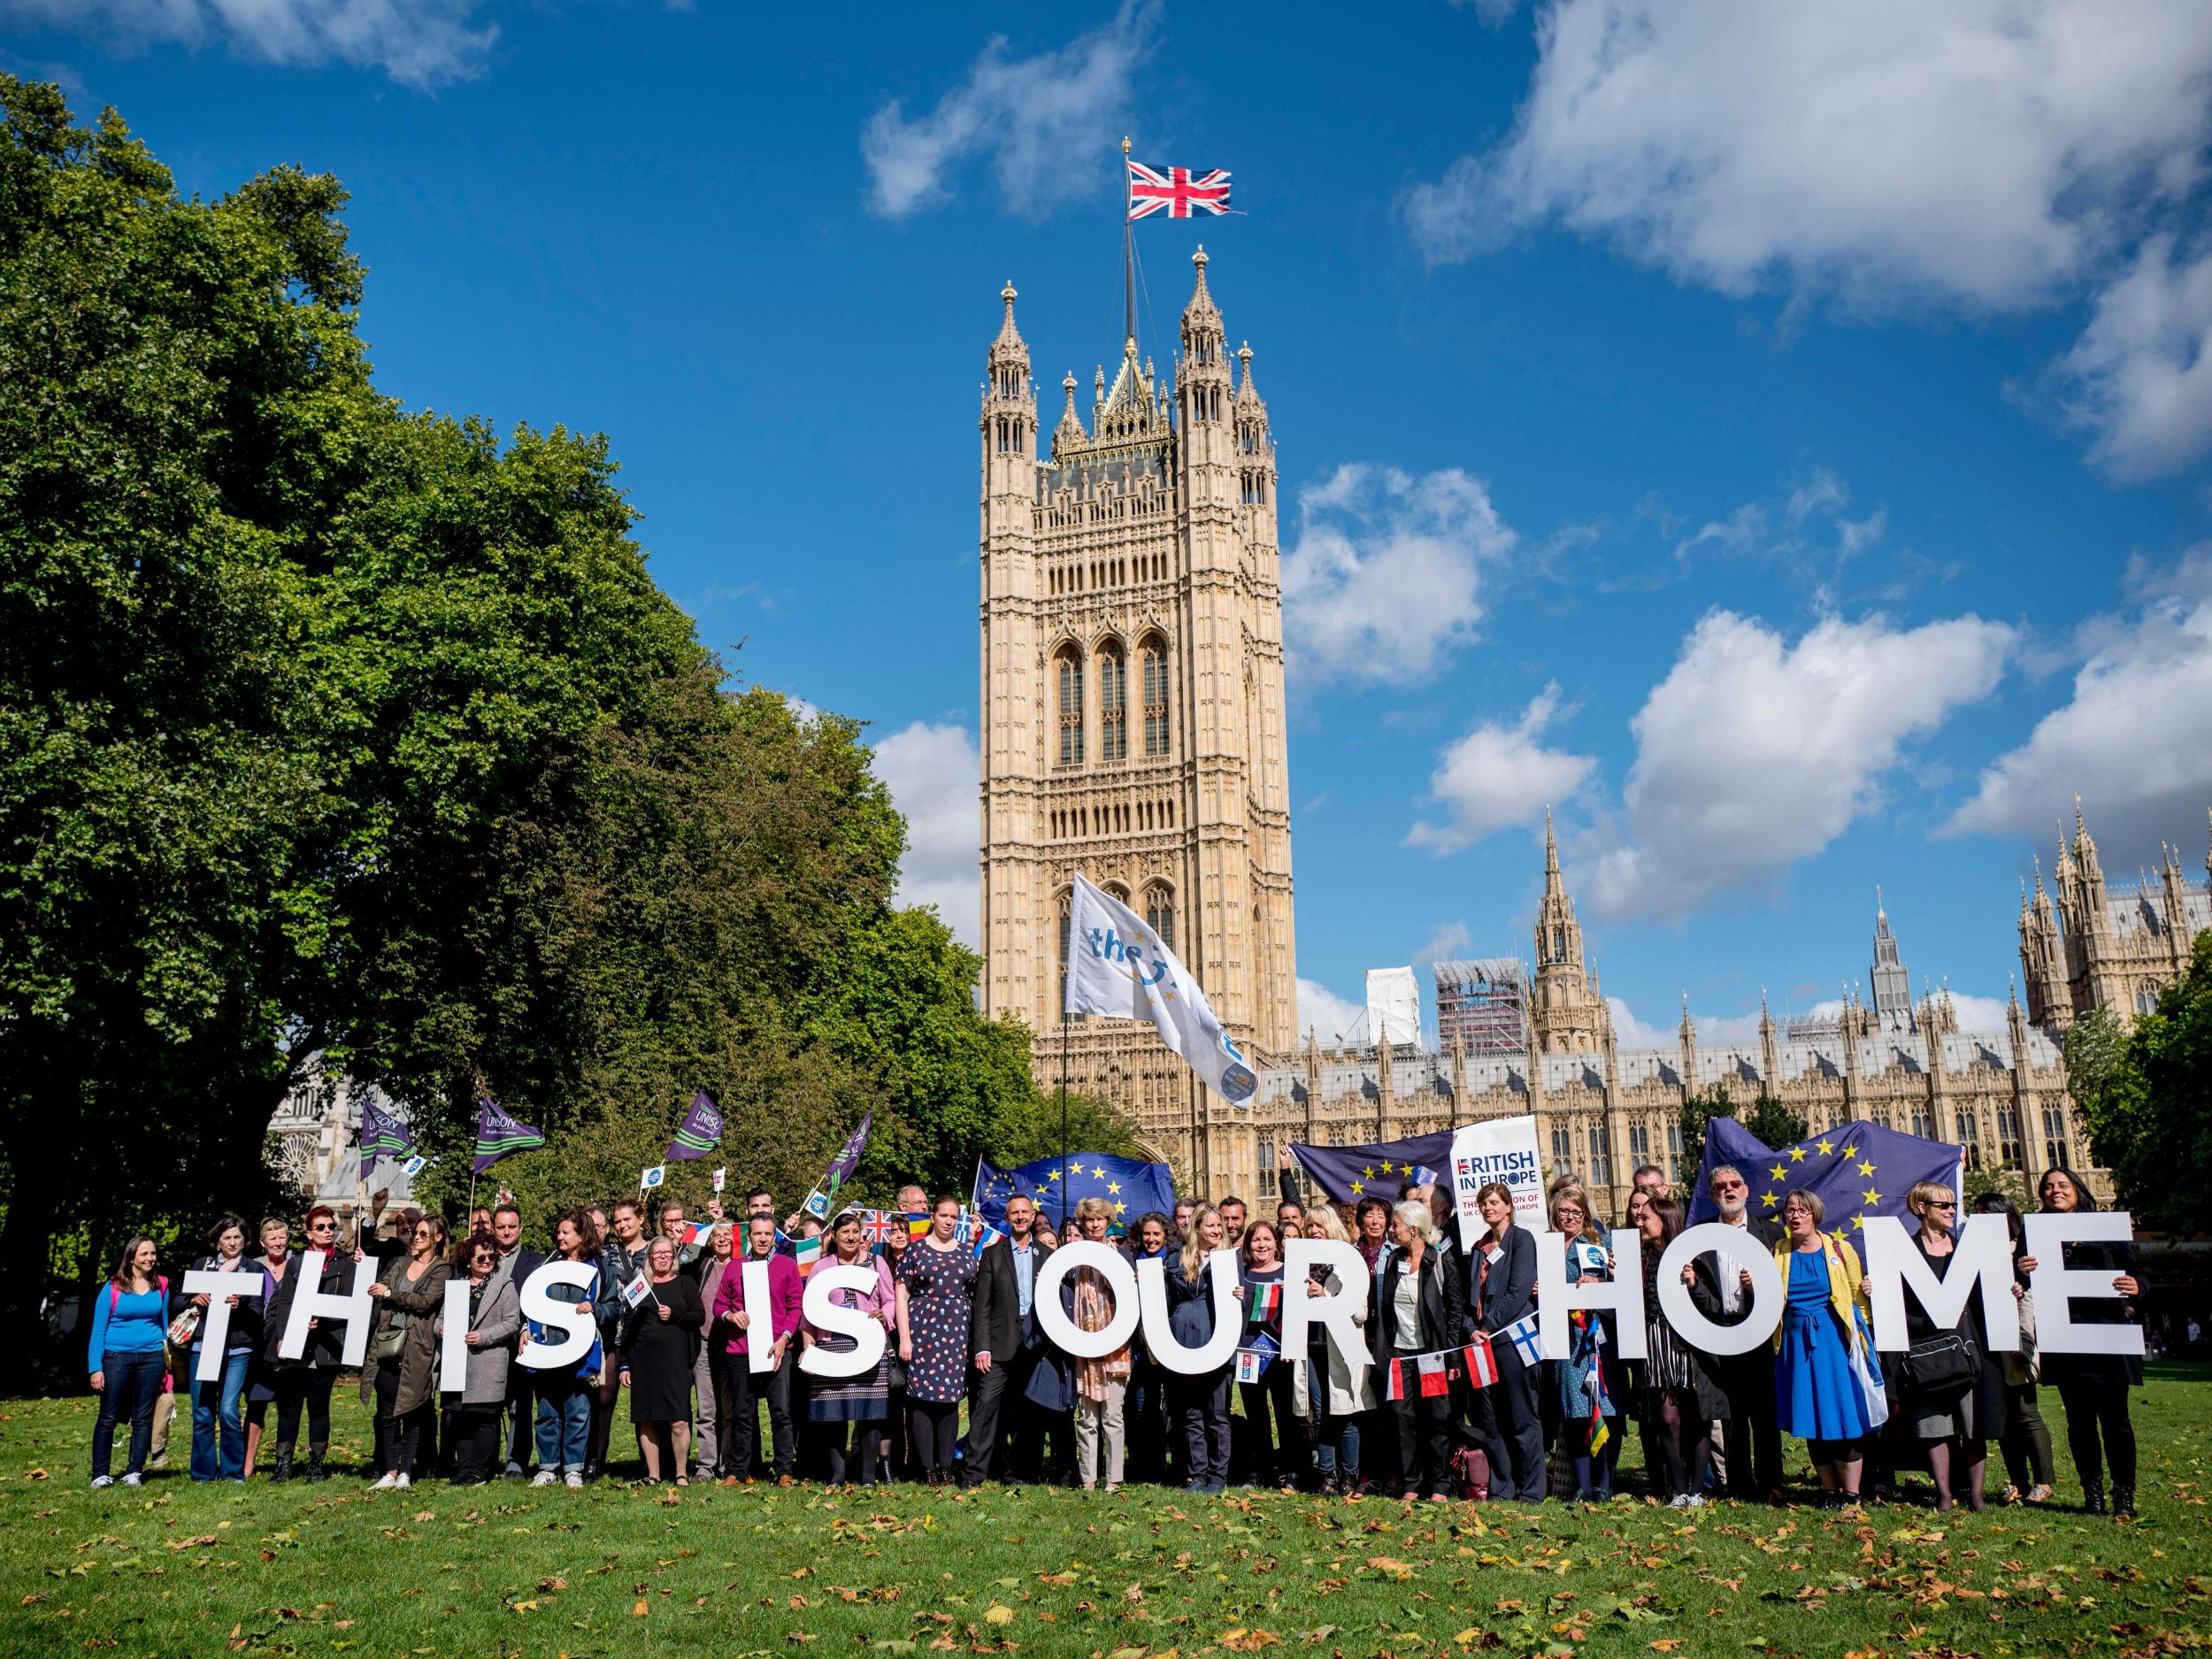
805,1253
1252,1362
639,1289
1482,1365
1423,1176
652,1177
414,1165
499,1135
1264,1301
878,1225
506,1195
719,1177
700,1133
1522,1334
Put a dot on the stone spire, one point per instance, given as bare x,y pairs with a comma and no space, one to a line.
1687,1032
1770,1049
1566,1001
1009,351
1245,392
1070,431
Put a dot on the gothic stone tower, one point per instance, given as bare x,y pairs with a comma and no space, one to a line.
1565,1009
1132,707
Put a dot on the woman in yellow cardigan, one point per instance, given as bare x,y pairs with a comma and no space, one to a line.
1826,1390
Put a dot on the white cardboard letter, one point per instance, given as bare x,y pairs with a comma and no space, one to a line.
1756,1328
1121,1283
1623,1294
1983,1256
453,1342
309,1301
540,1309
215,1317
1221,1279
1339,1311
865,1328
2054,1283
760,1331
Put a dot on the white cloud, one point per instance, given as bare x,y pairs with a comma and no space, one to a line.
1385,581
1753,753
2140,376
1715,1031
1500,777
418,44
1328,1016
932,773
1043,123
2133,740
1986,154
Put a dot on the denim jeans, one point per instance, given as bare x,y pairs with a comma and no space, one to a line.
1335,1436
131,1382
219,1423
564,1422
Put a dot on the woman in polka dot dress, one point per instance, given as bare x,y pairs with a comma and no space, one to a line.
936,1282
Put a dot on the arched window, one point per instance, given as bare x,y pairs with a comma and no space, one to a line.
1071,709
1159,914
1152,655
1113,705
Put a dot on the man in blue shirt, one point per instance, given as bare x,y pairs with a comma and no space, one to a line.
1006,1345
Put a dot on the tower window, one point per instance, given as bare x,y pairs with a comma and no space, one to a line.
1159,914
1071,710
1113,699
1153,656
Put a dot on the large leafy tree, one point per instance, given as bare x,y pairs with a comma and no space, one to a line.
329,728
2142,1094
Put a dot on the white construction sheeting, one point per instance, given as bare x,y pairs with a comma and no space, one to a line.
1393,1006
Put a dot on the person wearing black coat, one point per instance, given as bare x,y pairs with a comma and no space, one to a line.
1501,1291
517,1262
2094,1386
307,1381
1419,1306
219,1420
1005,1426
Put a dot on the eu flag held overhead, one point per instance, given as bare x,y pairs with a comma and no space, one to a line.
1052,1186
1857,1170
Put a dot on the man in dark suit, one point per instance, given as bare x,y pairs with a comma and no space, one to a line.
1004,1429
517,1262
1751,1440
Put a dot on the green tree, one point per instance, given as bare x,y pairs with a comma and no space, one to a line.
1769,1119
2141,1095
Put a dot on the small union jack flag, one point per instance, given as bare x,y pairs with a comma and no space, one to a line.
879,1226
1176,191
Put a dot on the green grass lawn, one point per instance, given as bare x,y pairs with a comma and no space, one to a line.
178,1569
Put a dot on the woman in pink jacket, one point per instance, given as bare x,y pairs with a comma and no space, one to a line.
734,1317
863,1401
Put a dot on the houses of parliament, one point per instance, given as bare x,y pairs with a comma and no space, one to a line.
1132,730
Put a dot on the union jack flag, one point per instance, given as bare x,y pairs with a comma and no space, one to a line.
1176,191
877,1226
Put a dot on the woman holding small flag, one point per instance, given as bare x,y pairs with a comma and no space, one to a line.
936,1282
2094,1386
1415,1322
1332,1391
660,1341
564,1394
1278,1455
1826,1390
864,1400
1593,1381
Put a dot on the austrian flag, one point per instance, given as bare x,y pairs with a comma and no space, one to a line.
1176,191
1423,1374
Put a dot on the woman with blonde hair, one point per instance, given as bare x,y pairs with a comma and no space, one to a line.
1826,1386
1953,1395
1417,1308
1593,1381
1329,1388
1200,1403
1100,1387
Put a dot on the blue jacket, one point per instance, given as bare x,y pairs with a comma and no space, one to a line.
123,1322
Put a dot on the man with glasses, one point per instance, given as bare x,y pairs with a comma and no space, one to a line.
1752,1437
517,1262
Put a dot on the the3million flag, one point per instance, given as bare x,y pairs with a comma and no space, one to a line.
497,1134
701,1130
383,1135
1118,966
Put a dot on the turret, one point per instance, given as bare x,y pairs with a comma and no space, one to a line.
1069,433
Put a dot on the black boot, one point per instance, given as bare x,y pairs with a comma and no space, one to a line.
2092,1497
2122,1502
315,1470
283,1469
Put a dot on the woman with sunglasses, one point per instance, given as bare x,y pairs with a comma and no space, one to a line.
493,1317
1952,1389
2093,1388
306,1380
404,1355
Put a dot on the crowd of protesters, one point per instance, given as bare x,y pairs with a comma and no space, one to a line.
968,1389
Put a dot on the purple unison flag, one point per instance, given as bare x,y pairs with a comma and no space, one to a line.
1858,1170
497,1134
1348,1174
840,1171
701,1130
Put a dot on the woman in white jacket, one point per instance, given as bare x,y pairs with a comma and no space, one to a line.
1326,1391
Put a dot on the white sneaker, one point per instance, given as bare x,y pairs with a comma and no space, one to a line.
1680,1501
404,1482
575,1481
543,1478
384,1483
100,1481
1694,1500
131,1480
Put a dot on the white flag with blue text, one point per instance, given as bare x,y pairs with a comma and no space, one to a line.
1121,968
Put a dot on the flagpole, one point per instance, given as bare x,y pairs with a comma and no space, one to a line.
1063,1112
1128,258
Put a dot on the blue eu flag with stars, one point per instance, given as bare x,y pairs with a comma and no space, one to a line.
1054,1186
1857,1170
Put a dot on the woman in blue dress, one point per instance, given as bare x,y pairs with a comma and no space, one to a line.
1826,1388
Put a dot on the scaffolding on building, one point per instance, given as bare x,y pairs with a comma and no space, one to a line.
1482,1006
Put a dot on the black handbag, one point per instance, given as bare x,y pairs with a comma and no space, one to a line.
1948,1363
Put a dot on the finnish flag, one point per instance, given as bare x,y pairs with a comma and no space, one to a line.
1120,968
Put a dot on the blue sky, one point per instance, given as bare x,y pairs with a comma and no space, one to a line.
1778,440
